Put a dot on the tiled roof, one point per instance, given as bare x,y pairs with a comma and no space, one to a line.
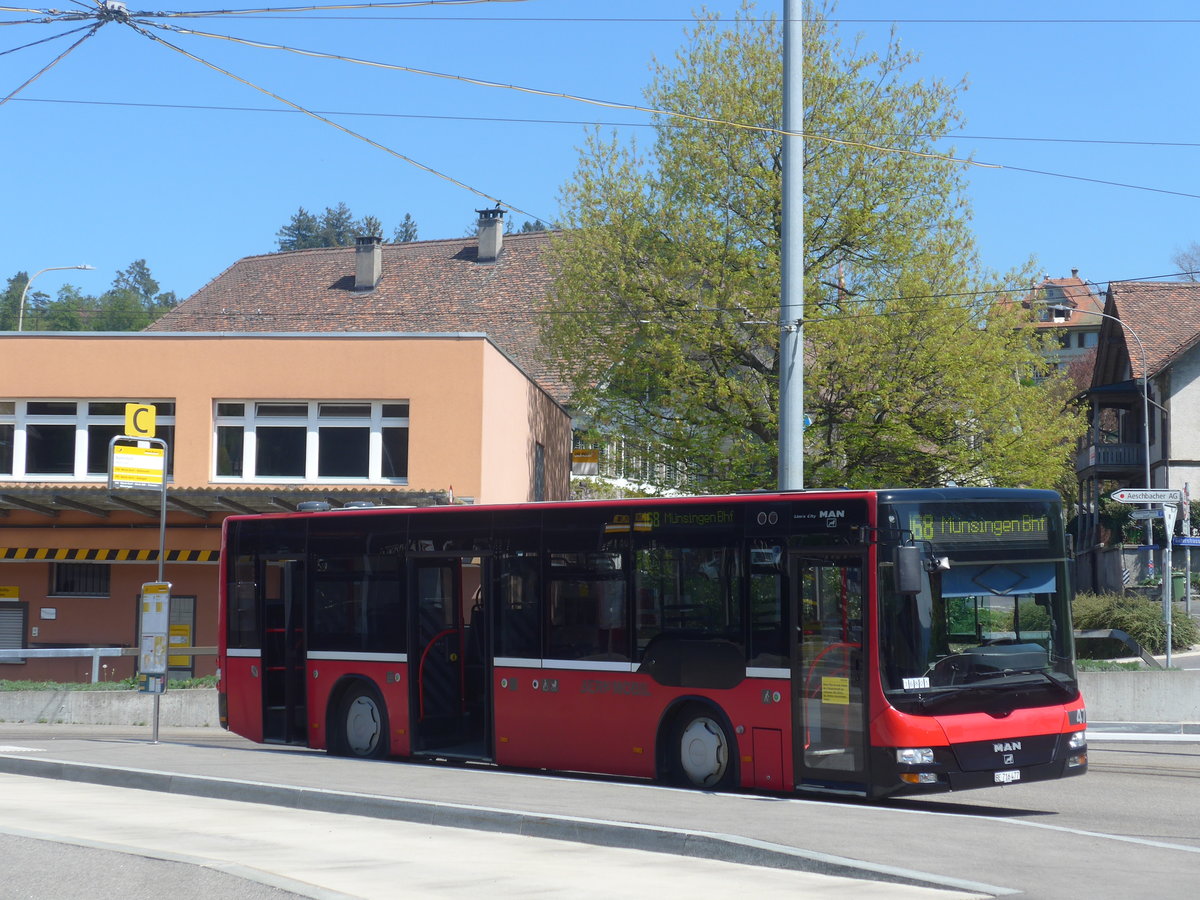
425,287
1077,294
1165,316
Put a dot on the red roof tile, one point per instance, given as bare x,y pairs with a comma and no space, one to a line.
431,287
1164,316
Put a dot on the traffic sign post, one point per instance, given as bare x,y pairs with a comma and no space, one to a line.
1155,513
1141,495
1170,500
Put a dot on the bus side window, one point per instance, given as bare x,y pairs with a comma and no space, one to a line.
588,615
768,639
518,607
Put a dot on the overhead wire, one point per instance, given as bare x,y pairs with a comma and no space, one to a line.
50,65
587,122
607,104
54,37
124,18
398,155
603,103
411,4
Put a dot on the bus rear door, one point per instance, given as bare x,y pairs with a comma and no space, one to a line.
285,709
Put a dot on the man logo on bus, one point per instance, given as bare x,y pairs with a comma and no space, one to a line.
1006,747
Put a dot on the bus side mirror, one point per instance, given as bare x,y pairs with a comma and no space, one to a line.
909,569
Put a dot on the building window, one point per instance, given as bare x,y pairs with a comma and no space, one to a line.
315,440
80,580
539,472
65,440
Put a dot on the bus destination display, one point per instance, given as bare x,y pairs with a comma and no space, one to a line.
965,528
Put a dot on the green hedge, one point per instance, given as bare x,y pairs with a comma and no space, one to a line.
1138,617
125,684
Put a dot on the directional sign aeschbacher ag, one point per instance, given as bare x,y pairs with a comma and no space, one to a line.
1136,495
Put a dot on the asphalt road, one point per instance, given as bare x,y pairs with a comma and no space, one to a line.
1128,828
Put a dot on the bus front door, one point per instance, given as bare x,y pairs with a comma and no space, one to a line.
829,673
449,665
285,707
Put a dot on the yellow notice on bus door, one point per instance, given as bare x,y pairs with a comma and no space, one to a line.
835,690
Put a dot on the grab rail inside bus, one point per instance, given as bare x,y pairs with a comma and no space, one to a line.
421,668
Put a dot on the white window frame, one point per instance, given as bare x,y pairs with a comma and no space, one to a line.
312,421
80,420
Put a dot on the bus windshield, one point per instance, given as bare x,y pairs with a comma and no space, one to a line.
991,631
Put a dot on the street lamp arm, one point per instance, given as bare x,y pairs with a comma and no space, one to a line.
25,290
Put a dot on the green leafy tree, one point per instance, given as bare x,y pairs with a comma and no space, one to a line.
10,301
71,311
119,309
664,316
132,303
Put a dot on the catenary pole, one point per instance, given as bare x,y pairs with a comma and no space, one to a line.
791,305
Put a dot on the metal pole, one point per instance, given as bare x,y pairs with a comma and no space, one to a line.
25,290
791,301
162,552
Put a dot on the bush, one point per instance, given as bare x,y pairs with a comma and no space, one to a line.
1138,617
125,684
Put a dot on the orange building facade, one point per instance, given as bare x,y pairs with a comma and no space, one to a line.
254,423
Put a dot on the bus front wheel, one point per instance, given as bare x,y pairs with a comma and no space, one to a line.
704,753
362,725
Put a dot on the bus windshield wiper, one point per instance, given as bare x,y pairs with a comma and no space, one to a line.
987,683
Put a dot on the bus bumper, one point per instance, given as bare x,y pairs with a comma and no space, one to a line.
962,767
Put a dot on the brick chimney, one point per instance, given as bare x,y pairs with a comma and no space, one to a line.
368,263
491,234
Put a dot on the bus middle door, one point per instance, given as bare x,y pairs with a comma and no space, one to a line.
449,664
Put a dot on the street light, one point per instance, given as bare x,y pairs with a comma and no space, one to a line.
21,310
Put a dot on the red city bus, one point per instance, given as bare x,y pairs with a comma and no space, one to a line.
863,643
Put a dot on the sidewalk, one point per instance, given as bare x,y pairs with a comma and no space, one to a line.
351,828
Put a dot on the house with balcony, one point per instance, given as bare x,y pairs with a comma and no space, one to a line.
404,374
1143,412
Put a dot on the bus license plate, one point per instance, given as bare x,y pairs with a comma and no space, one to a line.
1008,777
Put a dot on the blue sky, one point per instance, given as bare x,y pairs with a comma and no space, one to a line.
126,149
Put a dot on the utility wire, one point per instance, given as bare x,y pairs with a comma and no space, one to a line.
584,122
608,104
50,65
347,6
46,40
330,122
631,107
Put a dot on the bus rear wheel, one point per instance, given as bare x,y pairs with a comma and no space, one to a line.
704,753
362,725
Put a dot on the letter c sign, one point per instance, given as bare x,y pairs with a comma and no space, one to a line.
139,420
